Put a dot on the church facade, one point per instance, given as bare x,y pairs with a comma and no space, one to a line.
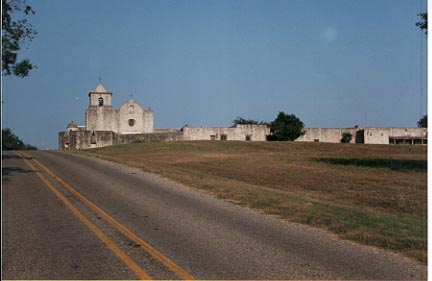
131,118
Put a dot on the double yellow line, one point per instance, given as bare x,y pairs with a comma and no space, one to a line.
125,258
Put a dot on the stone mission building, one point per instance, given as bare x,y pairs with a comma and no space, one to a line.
131,118
107,126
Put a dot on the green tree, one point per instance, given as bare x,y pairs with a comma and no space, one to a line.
422,123
346,137
286,127
423,23
242,121
15,34
10,141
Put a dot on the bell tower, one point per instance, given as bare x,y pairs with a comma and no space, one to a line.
100,116
100,97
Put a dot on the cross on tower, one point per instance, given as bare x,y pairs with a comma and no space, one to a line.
131,96
100,80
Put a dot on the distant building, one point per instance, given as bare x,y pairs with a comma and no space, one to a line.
131,118
107,126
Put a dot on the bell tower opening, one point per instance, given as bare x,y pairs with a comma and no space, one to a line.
100,97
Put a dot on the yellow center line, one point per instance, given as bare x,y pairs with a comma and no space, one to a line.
126,259
155,253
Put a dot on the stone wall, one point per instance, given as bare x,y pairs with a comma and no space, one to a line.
150,137
166,130
148,121
82,139
365,135
239,133
102,118
333,135
383,135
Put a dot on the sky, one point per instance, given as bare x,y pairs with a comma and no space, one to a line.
332,63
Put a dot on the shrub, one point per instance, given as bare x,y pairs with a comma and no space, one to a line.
346,137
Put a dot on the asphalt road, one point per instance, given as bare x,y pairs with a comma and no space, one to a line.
74,217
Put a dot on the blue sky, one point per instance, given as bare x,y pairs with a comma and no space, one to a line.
333,63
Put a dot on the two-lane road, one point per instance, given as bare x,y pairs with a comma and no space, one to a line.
74,217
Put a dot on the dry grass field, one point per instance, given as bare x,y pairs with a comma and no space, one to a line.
371,194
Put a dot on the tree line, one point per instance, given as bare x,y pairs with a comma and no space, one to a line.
12,142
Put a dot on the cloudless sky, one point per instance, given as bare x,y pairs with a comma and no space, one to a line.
333,63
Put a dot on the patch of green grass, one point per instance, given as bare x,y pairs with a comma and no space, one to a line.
394,164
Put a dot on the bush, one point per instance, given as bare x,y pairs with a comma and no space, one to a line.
346,137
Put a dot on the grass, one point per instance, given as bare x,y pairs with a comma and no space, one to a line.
394,164
372,194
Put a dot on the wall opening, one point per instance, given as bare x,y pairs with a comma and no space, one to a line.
223,137
359,138
93,138
212,137
407,140
248,137
101,101
131,122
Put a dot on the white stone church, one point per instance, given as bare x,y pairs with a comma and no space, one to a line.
131,118
107,126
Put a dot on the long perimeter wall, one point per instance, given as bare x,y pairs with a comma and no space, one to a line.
333,135
81,138
238,133
367,135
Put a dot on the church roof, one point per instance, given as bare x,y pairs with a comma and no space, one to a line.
72,125
100,89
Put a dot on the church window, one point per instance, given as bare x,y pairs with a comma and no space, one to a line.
100,101
131,108
131,122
